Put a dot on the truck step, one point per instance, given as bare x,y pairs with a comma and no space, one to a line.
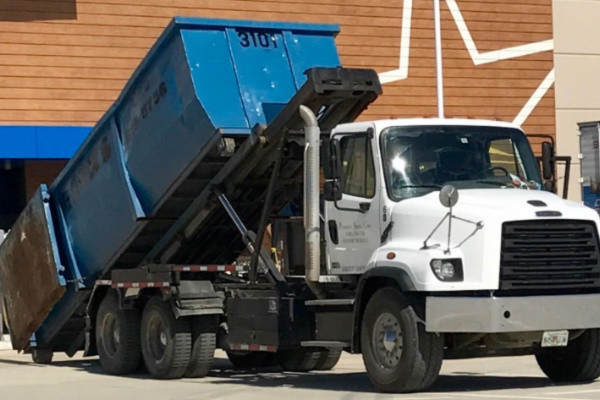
324,343
329,302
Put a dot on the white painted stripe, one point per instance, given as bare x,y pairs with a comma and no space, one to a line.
535,99
478,58
402,72
495,55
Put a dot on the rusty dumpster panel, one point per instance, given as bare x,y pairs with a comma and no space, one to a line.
30,270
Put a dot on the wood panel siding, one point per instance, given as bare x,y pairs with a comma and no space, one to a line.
40,171
64,61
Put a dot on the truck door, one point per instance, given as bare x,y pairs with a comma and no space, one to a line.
352,223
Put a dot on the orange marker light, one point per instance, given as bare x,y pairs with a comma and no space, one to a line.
391,255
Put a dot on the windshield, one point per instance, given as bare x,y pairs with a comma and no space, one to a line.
420,159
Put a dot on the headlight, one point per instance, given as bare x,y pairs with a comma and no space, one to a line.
449,270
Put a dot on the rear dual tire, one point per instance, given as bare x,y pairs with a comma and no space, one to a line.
251,359
170,347
302,359
117,336
204,341
176,347
328,359
166,341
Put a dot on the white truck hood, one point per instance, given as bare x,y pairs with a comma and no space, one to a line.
479,248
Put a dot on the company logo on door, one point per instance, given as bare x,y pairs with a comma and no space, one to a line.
355,233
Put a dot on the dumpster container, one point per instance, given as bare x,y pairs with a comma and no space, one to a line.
203,80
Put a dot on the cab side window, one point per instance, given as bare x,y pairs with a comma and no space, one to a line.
358,165
505,157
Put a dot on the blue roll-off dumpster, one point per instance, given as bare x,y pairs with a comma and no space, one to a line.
203,80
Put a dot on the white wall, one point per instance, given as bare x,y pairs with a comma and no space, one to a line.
577,64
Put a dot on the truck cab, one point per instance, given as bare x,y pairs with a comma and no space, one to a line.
455,245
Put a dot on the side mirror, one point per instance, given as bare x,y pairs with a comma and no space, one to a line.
448,196
331,154
332,191
547,160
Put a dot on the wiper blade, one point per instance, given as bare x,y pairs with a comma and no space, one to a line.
434,186
496,183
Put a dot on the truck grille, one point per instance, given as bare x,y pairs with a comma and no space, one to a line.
549,254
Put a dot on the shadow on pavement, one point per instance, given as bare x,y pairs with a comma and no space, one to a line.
359,382
224,374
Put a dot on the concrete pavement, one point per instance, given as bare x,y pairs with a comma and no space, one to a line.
516,378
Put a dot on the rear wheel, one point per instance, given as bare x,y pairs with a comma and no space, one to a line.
117,336
41,356
399,355
302,359
328,359
578,362
166,341
251,359
204,340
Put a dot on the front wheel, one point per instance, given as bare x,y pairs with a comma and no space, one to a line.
578,362
399,355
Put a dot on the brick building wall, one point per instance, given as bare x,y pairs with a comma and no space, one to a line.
63,62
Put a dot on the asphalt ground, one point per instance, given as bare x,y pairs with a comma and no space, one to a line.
516,378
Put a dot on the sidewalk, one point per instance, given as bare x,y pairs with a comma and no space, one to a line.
5,343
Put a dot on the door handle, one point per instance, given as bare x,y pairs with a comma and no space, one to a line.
333,231
364,207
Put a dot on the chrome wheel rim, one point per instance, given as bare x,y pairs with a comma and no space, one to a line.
111,334
387,340
157,337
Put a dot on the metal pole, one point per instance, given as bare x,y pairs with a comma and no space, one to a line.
266,212
438,57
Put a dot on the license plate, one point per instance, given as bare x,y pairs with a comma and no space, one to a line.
555,339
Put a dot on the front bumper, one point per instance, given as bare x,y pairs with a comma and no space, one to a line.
512,314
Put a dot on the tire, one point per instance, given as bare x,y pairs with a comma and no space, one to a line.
204,341
41,356
4,313
166,341
303,359
399,355
328,359
117,336
579,361
251,359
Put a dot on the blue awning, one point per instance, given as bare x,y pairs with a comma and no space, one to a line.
41,142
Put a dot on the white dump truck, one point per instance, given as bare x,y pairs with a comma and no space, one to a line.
427,238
